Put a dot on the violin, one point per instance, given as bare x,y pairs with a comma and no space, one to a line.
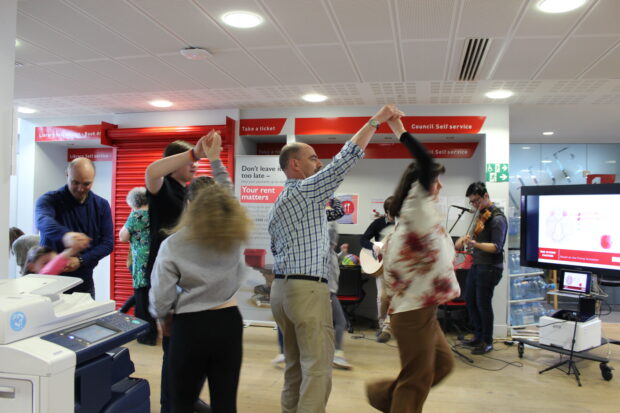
476,226
481,221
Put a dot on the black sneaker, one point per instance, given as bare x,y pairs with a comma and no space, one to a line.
483,348
474,342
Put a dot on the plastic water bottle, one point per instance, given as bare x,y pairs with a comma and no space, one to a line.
513,262
515,292
530,288
528,314
516,315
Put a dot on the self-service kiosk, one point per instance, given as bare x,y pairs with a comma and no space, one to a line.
60,352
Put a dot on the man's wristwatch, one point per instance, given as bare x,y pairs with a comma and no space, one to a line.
374,123
81,260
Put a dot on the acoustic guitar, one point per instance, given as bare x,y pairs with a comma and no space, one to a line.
370,263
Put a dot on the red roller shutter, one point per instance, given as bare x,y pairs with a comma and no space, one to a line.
135,149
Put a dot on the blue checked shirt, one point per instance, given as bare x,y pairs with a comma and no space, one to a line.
298,222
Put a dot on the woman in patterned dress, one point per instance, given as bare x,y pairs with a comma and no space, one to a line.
418,268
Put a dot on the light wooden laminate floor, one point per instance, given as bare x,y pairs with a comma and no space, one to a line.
468,389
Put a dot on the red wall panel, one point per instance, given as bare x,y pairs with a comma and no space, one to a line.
133,153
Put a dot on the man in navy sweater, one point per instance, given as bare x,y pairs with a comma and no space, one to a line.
74,214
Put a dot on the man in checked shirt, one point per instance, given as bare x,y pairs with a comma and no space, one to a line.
300,245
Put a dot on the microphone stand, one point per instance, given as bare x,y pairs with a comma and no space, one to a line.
457,220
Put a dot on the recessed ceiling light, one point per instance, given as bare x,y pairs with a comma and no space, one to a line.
314,97
499,94
23,109
559,6
546,161
242,19
611,161
17,43
526,148
160,103
549,133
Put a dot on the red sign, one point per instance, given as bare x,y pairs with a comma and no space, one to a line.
67,133
94,154
583,257
259,194
260,127
413,124
398,151
451,150
601,178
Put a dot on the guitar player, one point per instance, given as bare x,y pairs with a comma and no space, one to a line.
376,231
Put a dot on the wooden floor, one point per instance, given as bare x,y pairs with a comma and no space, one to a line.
468,389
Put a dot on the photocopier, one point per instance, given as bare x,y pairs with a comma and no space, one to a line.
59,353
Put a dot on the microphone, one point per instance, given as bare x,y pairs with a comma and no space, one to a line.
462,208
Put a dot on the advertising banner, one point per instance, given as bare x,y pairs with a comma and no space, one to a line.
258,182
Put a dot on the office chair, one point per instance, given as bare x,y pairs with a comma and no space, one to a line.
454,313
350,292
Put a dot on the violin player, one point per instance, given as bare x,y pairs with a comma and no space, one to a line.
487,247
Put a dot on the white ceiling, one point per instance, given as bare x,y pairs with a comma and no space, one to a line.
85,57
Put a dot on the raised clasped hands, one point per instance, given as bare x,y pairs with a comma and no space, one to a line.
209,146
388,112
212,145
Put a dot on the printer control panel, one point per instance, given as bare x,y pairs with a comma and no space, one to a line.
100,335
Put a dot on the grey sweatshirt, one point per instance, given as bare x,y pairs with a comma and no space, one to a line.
205,278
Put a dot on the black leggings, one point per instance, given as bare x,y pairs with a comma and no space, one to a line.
206,344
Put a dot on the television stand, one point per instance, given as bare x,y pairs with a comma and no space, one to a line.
606,370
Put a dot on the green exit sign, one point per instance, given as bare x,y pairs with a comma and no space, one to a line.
497,172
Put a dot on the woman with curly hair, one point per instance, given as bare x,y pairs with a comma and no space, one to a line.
197,274
419,275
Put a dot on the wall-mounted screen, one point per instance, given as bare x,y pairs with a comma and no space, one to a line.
571,226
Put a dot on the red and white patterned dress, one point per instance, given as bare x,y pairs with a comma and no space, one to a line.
419,256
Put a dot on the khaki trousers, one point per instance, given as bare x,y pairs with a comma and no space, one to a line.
425,359
302,310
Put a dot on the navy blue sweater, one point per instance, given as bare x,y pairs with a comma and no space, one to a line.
58,212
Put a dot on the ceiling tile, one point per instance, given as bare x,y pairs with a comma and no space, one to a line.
370,22
608,67
86,79
424,60
79,27
121,73
242,67
487,18
575,56
202,71
188,22
27,52
161,72
523,57
377,62
421,19
119,16
330,63
603,19
285,65
305,21
52,41
36,81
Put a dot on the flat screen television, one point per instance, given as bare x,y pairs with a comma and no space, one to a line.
571,227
